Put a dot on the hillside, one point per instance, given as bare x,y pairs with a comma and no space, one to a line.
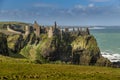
51,55
13,23
23,69
11,60
18,25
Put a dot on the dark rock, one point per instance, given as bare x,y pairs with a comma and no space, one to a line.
3,45
116,64
86,52
76,49
17,42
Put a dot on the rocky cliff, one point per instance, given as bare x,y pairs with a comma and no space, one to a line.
85,51
69,48
3,45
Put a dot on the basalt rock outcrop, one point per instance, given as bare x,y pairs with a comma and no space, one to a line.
50,44
3,45
85,51
17,42
82,50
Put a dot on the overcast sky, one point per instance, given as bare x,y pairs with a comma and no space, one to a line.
65,12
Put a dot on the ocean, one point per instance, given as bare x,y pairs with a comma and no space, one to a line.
108,39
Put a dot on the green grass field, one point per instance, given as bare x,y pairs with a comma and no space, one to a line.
22,69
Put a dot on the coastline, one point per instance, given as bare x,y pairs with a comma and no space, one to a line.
113,57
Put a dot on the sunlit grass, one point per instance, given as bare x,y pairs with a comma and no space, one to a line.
56,72
23,69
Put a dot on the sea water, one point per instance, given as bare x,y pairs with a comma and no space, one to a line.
108,39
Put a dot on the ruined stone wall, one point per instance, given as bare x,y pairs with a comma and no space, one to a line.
50,32
84,31
77,30
12,30
36,29
27,30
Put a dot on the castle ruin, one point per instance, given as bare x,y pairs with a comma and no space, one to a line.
36,28
51,31
27,30
10,28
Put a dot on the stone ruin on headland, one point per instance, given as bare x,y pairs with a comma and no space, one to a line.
51,31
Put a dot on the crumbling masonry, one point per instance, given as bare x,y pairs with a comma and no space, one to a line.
51,31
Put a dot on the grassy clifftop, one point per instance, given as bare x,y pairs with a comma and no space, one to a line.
13,22
7,60
3,26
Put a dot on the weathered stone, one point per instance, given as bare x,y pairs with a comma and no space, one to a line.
52,44
86,52
3,45
50,32
27,30
36,29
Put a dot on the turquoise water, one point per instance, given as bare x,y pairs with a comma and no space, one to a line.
108,39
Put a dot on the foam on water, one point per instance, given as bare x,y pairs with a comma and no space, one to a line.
108,39
97,28
112,57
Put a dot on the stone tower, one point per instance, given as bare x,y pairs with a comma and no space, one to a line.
78,29
50,32
66,29
36,29
87,31
27,30
55,25
73,29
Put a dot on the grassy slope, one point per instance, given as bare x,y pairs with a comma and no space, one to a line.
22,24
7,60
13,22
14,69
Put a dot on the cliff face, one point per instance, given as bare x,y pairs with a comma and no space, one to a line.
3,45
16,42
70,48
85,51
75,49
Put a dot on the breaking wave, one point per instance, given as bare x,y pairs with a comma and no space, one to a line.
97,28
112,57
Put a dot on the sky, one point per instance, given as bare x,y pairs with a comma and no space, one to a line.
64,12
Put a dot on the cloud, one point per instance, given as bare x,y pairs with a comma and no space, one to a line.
94,10
91,5
79,6
43,5
99,0
75,14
